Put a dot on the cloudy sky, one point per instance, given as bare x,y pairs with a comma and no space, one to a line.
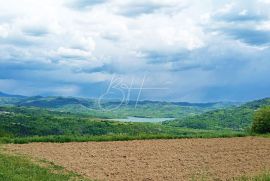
182,50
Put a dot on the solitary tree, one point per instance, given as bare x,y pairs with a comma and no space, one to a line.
261,121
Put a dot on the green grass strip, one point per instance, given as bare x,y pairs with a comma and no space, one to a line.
17,168
120,137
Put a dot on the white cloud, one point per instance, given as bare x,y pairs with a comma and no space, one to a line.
71,52
4,30
87,41
265,26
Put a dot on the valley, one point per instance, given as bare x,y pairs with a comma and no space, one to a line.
210,141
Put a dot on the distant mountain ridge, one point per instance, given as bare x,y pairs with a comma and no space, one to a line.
55,101
114,109
2,94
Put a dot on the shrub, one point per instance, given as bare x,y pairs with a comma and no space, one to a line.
261,121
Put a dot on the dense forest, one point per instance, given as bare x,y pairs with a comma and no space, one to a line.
236,118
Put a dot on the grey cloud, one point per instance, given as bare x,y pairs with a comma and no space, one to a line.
36,31
137,8
238,18
159,57
84,4
250,36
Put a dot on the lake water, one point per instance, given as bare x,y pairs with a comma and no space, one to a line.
148,120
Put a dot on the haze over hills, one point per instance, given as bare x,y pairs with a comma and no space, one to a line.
2,94
56,101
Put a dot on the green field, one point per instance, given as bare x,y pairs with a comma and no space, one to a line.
18,168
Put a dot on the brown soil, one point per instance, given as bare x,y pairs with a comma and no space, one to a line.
182,159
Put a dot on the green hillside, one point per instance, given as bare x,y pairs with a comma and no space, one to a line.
58,116
21,121
24,125
109,109
236,118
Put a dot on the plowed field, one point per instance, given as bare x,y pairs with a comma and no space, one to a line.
180,159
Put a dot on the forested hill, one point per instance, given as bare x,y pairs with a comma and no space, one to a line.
237,118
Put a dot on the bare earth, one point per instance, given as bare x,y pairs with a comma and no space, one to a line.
182,159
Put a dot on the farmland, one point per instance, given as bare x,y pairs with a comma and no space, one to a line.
183,159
